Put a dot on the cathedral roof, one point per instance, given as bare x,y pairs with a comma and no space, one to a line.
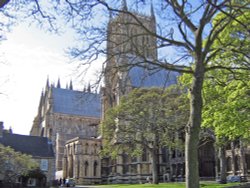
142,77
31,145
73,102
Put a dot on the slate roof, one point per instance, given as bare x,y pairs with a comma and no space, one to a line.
31,145
72,102
141,77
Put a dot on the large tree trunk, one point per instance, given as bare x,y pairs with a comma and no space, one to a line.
193,128
223,171
155,160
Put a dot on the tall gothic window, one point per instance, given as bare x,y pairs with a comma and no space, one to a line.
95,168
78,168
86,148
237,163
229,164
125,163
95,149
164,155
86,166
144,155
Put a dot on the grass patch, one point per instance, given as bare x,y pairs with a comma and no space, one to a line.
169,185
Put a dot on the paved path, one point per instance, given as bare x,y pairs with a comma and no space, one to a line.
91,186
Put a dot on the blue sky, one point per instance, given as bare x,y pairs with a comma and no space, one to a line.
28,57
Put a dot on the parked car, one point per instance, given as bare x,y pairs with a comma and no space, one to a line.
232,178
243,179
70,182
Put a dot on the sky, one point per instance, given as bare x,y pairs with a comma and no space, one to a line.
28,58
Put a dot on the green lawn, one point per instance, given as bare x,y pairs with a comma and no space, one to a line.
169,185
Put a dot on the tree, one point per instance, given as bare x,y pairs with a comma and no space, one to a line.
145,119
187,26
226,92
14,164
37,174
226,110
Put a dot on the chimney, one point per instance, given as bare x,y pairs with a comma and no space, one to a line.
1,129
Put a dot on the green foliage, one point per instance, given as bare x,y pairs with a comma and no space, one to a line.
226,101
227,105
233,43
14,164
226,92
145,118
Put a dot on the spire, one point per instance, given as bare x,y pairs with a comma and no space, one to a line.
70,85
110,15
89,88
58,83
153,21
152,10
124,5
47,84
10,130
1,129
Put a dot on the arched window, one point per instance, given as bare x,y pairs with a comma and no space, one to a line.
42,132
164,155
95,168
125,163
144,155
229,164
78,168
86,148
237,163
95,149
86,166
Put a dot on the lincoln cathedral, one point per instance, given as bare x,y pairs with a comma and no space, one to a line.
71,118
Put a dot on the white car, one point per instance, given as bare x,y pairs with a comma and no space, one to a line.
70,182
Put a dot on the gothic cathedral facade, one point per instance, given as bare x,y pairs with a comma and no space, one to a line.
71,118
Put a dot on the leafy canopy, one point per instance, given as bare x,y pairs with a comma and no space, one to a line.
14,164
143,119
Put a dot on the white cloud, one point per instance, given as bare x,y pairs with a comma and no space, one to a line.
27,58
25,66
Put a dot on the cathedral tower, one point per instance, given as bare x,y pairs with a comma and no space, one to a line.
130,41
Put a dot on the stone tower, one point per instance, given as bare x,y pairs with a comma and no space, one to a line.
129,42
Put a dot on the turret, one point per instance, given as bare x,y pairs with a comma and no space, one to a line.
153,21
70,85
89,88
1,129
124,6
47,84
58,83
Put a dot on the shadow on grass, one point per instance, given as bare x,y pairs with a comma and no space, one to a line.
171,185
